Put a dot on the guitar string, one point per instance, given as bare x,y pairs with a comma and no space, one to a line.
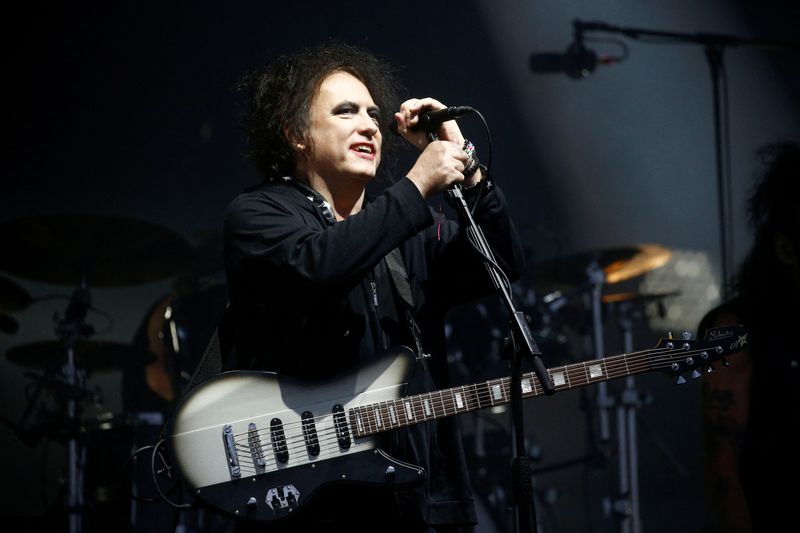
631,363
629,359
420,397
506,385
302,448
480,397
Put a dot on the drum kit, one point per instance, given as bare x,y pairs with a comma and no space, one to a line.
86,252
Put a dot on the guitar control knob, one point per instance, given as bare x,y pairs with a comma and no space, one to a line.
389,471
251,502
681,380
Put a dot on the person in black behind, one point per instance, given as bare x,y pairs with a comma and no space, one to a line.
312,262
751,408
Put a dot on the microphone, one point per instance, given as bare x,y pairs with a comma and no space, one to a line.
430,121
577,62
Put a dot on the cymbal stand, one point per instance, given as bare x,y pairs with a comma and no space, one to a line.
605,402
70,329
627,503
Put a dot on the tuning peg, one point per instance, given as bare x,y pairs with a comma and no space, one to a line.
681,380
687,335
695,374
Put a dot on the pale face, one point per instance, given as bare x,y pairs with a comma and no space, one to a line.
343,130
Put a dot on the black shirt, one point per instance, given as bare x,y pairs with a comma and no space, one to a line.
312,298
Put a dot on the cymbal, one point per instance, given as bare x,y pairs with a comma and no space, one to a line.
12,296
620,297
107,250
98,356
618,264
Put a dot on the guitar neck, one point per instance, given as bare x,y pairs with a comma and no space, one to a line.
382,416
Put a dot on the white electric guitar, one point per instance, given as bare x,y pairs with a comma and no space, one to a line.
258,445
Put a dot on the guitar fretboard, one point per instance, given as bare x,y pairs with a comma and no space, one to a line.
382,416
671,357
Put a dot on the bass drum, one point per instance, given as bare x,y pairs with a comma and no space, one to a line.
107,438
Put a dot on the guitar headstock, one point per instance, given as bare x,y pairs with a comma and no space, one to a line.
677,356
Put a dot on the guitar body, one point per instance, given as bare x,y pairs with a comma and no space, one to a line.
256,445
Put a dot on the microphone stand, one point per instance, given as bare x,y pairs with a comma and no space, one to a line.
714,46
521,343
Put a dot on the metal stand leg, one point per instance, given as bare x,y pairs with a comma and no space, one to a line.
627,505
76,452
71,329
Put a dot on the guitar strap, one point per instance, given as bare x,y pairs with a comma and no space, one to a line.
394,264
218,350
399,277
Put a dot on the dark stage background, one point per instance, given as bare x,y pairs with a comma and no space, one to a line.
129,109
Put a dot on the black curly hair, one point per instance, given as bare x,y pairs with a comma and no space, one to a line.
773,209
278,97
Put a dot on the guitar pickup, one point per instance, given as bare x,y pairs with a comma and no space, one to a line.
310,433
278,438
230,450
340,424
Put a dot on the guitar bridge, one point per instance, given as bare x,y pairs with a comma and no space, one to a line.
230,450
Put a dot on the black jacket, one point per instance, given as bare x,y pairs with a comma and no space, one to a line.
312,298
